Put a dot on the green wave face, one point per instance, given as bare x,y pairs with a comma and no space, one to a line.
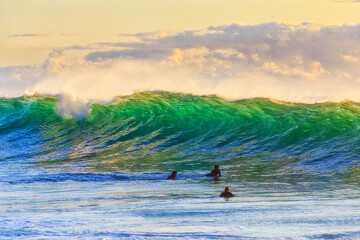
162,131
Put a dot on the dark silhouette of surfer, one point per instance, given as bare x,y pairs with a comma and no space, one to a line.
215,172
226,193
173,175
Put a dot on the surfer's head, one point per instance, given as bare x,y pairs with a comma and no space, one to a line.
174,173
227,189
216,166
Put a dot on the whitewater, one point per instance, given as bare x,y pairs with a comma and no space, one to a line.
93,170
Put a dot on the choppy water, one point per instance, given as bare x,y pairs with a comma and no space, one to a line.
81,171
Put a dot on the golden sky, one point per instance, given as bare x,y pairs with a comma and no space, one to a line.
30,29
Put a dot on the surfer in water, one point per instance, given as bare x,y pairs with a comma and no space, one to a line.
173,175
215,172
226,193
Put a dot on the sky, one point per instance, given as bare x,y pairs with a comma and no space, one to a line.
29,29
253,45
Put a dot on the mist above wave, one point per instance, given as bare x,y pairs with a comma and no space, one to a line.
127,77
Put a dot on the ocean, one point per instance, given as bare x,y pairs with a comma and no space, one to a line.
98,170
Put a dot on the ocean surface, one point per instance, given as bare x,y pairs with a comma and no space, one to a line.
87,170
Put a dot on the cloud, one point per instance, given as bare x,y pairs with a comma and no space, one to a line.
283,50
305,62
37,34
150,35
45,34
99,56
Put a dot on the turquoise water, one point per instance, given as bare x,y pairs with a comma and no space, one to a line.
98,172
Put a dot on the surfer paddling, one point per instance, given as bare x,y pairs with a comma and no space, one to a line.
173,175
226,193
215,172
